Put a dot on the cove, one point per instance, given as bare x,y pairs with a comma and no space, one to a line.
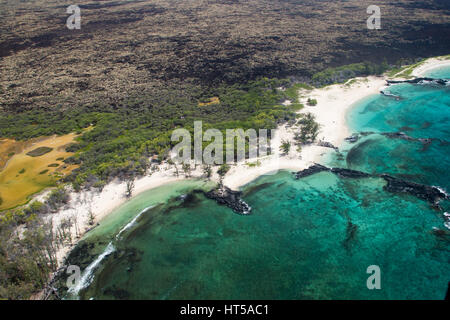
311,238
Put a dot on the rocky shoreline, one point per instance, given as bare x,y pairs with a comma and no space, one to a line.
431,194
315,168
421,80
230,198
327,144
342,172
393,135
388,94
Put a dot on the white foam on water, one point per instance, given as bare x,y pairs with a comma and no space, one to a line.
441,190
88,274
168,293
132,222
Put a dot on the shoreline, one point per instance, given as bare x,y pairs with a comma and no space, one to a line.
430,64
333,103
101,204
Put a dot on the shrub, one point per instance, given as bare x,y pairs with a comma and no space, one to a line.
39,151
285,146
311,102
57,198
223,169
309,129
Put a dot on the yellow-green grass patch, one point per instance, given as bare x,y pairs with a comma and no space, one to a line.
36,173
210,101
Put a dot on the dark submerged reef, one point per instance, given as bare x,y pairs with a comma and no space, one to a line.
425,80
431,194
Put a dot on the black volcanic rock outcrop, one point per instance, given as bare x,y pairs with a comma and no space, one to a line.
315,168
327,144
404,136
442,82
431,194
388,94
230,198
392,135
353,138
348,173
342,172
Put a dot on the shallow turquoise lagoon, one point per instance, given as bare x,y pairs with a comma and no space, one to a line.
422,112
312,238
439,73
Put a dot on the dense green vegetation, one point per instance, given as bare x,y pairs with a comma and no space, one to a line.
407,71
25,262
123,137
28,255
344,73
311,102
292,91
285,146
125,134
404,67
222,171
309,129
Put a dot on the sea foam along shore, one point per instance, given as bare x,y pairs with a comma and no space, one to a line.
333,103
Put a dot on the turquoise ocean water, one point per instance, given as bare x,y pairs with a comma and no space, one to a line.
306,239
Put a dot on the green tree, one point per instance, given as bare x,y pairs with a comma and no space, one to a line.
285,147
187,169
207,171
223,169
309,129
311,102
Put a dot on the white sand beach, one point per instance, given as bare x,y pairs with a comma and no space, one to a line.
333,102
430,64
97,204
